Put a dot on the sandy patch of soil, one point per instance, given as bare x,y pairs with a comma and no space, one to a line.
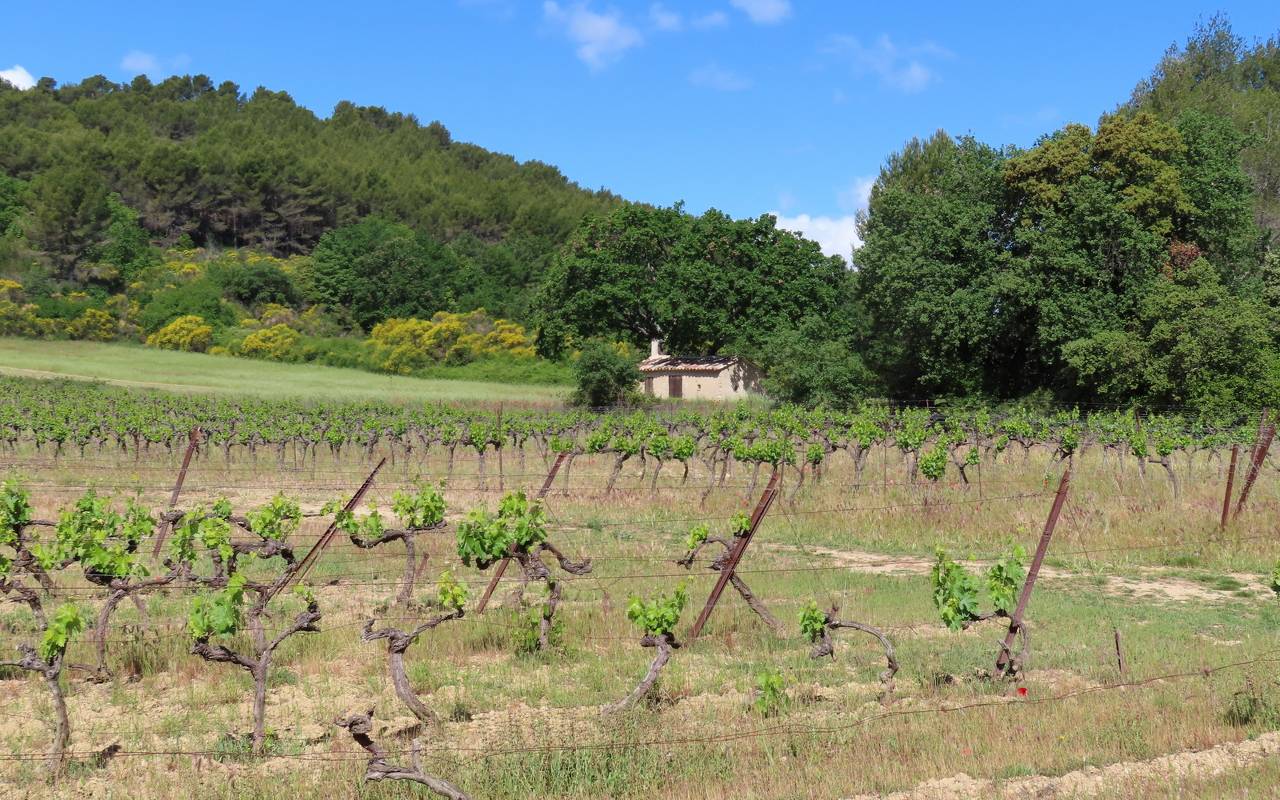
1154,588
1092,781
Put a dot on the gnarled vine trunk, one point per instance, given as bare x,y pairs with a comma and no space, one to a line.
398,642
826,647
379,769
665,644
259,665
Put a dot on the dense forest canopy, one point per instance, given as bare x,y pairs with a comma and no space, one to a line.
1133,260
208,165
1217,72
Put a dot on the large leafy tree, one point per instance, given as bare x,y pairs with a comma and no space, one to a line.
1220,221
379,269
813,365
68,213
1004,273
1092,216
1190,342
947,310
1216,73
1097,217
701,284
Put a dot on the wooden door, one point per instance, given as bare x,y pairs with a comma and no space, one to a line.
675,386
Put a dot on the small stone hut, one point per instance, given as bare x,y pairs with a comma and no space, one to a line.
698,377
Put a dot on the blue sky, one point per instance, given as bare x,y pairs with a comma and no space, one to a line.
744,105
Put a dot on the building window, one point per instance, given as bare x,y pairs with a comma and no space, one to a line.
675,386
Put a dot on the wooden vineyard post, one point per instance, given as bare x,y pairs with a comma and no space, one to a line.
502,565
740,547
1266,433
193,442
1015,621
313,555
1231,479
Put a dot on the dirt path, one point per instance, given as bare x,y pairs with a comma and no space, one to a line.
1157,587
1092,781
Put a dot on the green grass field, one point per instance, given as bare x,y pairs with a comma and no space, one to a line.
128,365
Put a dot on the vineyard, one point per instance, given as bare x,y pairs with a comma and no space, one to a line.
274,598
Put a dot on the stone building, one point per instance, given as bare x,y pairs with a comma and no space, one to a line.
698,377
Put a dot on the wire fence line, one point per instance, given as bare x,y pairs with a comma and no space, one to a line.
479,754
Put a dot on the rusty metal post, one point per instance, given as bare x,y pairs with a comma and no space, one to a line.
193,442
1259,456
1015,622
740,547
501,444
1231,479
1119,652
502,565
313,555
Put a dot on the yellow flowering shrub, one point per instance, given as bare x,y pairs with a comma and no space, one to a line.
316,321
405,345
93,325
276,314
21,320
274,344
190,333
10,290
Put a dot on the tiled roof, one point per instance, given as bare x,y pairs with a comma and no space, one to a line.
665,363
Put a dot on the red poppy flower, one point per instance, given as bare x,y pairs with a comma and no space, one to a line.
1022,691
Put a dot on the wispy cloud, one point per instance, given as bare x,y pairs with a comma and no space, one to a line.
664,19
601,38
764,12
713,76
858,196
715,19
901,68
1045,115
18,76
138,62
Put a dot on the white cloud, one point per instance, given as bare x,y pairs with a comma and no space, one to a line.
602,38
837,236
664,19
857,196
764,12
715,77
18,76
138,62
716,19
897,67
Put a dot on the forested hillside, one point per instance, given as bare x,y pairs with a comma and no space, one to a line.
1131,259
212,166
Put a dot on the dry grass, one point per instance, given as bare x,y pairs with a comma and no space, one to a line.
1127,556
